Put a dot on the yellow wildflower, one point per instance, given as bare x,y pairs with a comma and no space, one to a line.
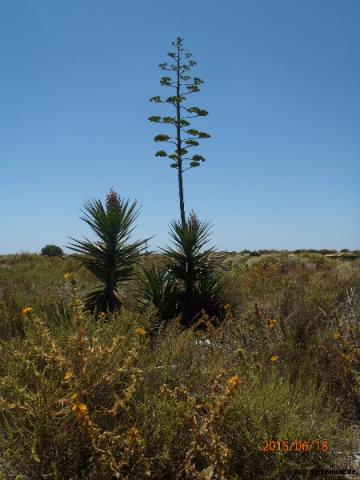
26,310
234,381
140,331
274,358
68,376
336,336
67,276
271,323
80,409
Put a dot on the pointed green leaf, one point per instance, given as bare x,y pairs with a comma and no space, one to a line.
34,454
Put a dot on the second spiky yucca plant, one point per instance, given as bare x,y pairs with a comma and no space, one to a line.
189,280
112,256
192,267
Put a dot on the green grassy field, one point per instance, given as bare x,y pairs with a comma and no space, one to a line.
272,393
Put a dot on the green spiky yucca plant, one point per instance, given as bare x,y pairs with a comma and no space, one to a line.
157,290
112,257
192,267
190,277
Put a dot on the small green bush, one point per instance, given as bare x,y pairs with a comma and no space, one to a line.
52,251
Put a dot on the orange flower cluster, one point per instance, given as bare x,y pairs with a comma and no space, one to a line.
140,331
271,323
26,311
234,381
80,409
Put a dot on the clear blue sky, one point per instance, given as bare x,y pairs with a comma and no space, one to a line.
282,87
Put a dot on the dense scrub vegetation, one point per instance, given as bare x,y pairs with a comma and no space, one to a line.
99,397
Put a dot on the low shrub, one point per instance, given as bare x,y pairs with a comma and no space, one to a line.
52,251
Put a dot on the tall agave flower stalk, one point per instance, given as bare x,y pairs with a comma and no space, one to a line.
184,138
112,256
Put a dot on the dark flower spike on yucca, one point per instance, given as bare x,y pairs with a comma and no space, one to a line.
111,258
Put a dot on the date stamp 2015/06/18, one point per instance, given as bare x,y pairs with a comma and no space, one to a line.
295,446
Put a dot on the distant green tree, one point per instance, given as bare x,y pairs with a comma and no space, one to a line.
185,137
52,251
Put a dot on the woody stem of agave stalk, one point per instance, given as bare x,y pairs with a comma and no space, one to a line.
178,141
